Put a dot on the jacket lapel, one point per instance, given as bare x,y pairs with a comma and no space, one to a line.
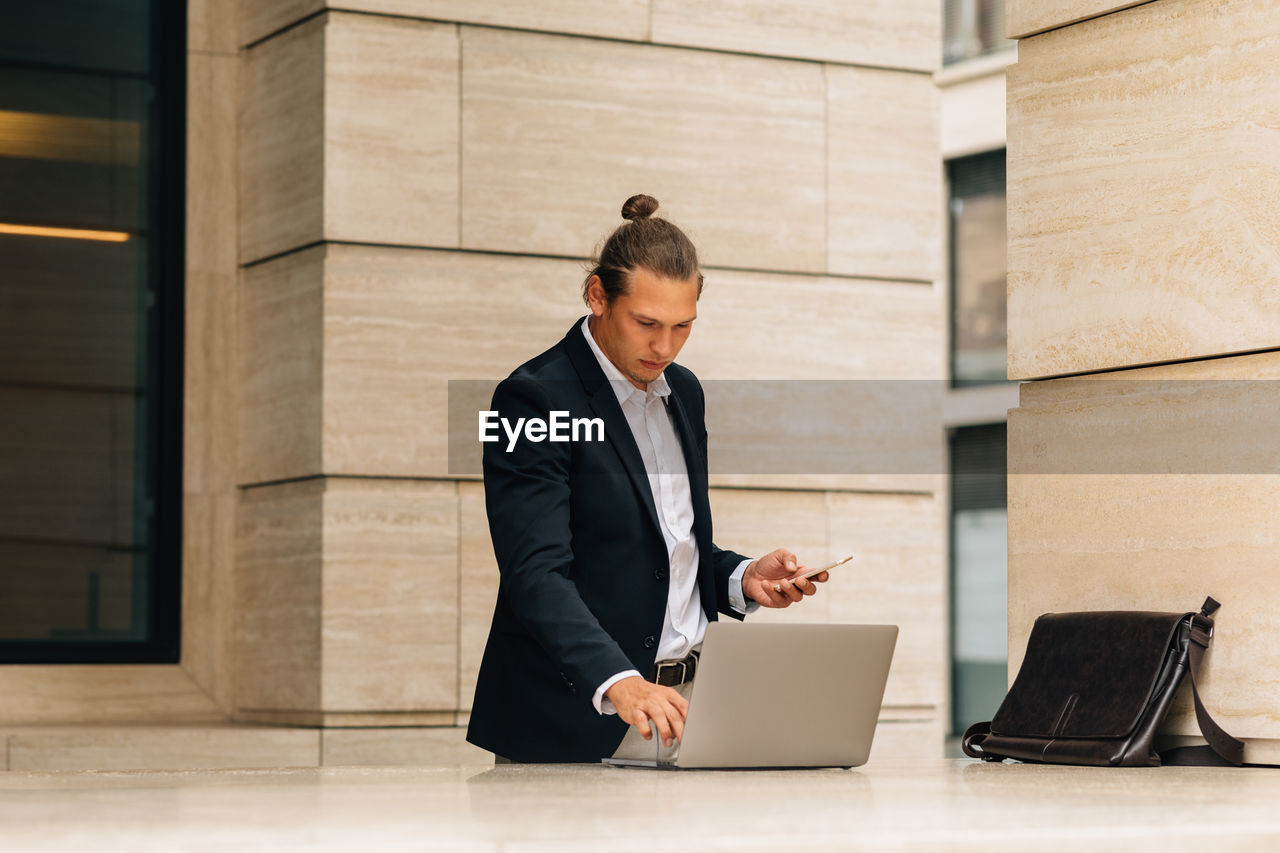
617,432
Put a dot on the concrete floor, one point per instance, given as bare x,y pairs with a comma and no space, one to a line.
886,805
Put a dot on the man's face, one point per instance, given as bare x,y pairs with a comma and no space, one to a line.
644,329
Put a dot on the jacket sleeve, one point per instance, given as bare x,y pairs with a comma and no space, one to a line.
527,496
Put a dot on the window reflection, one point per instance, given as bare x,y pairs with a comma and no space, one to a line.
979,559
978,240
972,28
82,403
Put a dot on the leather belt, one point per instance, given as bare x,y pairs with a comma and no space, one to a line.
671,673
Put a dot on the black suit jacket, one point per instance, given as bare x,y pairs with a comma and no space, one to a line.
582,560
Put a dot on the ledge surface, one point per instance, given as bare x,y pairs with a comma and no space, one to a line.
898,805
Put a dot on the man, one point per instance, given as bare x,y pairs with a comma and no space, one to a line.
604,547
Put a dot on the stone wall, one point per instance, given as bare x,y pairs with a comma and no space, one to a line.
400,193
1142,160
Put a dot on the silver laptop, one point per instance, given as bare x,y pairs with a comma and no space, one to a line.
782,695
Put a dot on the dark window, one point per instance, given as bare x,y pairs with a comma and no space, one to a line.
92,125
972,28
978,296
979,537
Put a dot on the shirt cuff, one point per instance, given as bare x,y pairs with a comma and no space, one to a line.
603,705
737,598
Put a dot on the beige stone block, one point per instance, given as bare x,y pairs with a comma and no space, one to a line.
907,740
622,19
161,748
209,393
390,595
279,597
1140,216
884,212
760,326
558,132
1256,750
349,132
768,326
852,433
212,147
400,323
260,19
1157,542
390,131
839,435
281,344
754,522
1171,500
282,142
396,318
1214,417
1027,17
348,719
333,574
98,693
898,577
979,405
478,587
883,32
209,592
923,484
402,746
971,114
210,402
70,455
213,26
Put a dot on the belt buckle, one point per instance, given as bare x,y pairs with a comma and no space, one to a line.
670,666
689,661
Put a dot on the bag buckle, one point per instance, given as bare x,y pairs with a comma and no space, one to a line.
1200,636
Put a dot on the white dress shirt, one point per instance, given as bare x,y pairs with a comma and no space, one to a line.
646,412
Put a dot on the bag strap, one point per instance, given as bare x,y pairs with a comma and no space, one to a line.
1224,748
971,743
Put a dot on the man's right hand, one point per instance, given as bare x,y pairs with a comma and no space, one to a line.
638,701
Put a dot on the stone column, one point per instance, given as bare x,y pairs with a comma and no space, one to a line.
419,184
1144,160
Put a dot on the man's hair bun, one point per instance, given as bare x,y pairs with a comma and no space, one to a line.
639,207
644,240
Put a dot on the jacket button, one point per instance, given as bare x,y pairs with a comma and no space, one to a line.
650,642
659,574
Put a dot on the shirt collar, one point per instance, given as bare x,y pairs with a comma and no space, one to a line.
622,386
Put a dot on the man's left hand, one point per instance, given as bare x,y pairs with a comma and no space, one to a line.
768,580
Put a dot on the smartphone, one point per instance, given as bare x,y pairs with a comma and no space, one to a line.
815,572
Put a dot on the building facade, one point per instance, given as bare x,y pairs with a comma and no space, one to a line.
395,194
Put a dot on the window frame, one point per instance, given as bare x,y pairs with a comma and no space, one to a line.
165,264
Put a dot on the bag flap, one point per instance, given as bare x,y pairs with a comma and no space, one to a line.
1087,675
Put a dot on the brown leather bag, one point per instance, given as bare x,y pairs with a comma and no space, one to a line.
1094,687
